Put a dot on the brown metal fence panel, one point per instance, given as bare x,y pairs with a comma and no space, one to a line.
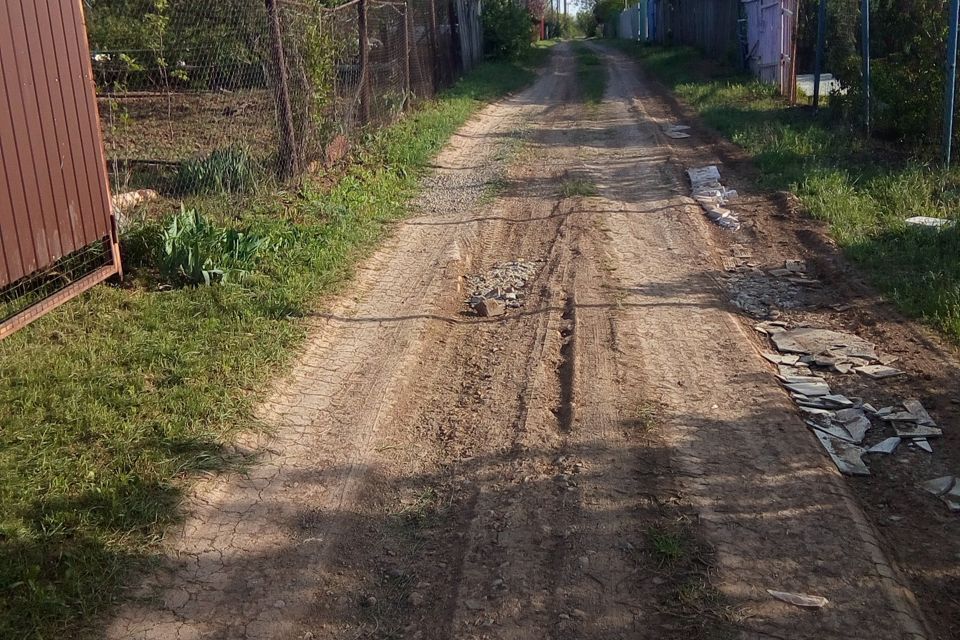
55,213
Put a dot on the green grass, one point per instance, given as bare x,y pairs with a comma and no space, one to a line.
591,73
863,188
577,187
110,402
667,546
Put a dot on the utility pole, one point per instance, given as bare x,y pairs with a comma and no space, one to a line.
951,83
818,60
865,46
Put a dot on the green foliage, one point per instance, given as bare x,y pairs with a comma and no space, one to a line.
586,23
907,51
561,26
507,29
194,250
228,170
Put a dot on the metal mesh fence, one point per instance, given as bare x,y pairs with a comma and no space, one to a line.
207,96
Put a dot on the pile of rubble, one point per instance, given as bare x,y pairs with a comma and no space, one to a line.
842,424
713,196
763,294
501,288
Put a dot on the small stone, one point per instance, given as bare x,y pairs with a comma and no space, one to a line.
490,308
473,604
579,614
279,604
416,599
583,561
370,601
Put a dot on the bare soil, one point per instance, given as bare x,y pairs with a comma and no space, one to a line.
611,459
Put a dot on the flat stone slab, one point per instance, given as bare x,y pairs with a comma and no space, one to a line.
836,344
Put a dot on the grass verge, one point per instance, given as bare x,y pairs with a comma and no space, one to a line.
864,189
107,404
591,73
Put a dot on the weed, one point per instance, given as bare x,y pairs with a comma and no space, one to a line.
228,170
667,546
577,187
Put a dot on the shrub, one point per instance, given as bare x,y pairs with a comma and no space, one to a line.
227,170
506,29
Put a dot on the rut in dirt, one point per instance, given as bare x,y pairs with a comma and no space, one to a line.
611,459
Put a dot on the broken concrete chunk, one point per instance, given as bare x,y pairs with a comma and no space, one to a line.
490,308
878,371
810,341
809,388
799,599
947,489
916,409
885,446
847,415
928,221
845,455
857,428
837,401
831,429
911,430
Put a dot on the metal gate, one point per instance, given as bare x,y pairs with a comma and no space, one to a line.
57,232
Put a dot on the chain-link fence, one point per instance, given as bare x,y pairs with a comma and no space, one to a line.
208,96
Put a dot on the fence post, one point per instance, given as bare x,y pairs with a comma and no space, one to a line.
865,46
434,52
364,43
818,58
288,159
406,50
951,83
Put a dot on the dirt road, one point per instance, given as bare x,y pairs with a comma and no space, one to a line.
612,459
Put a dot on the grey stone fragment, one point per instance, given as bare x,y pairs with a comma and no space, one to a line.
810,388
837,401
845,455
810,341
947,489
886,446
878,371
922,443
910,430
916,408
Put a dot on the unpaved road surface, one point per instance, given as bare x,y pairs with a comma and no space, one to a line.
612,459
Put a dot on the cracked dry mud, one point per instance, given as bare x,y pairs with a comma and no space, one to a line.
437,475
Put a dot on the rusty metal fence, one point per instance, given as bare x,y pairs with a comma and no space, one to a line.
239,91
57,236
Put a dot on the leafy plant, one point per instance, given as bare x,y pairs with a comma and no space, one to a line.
196,250
507,28
227,170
